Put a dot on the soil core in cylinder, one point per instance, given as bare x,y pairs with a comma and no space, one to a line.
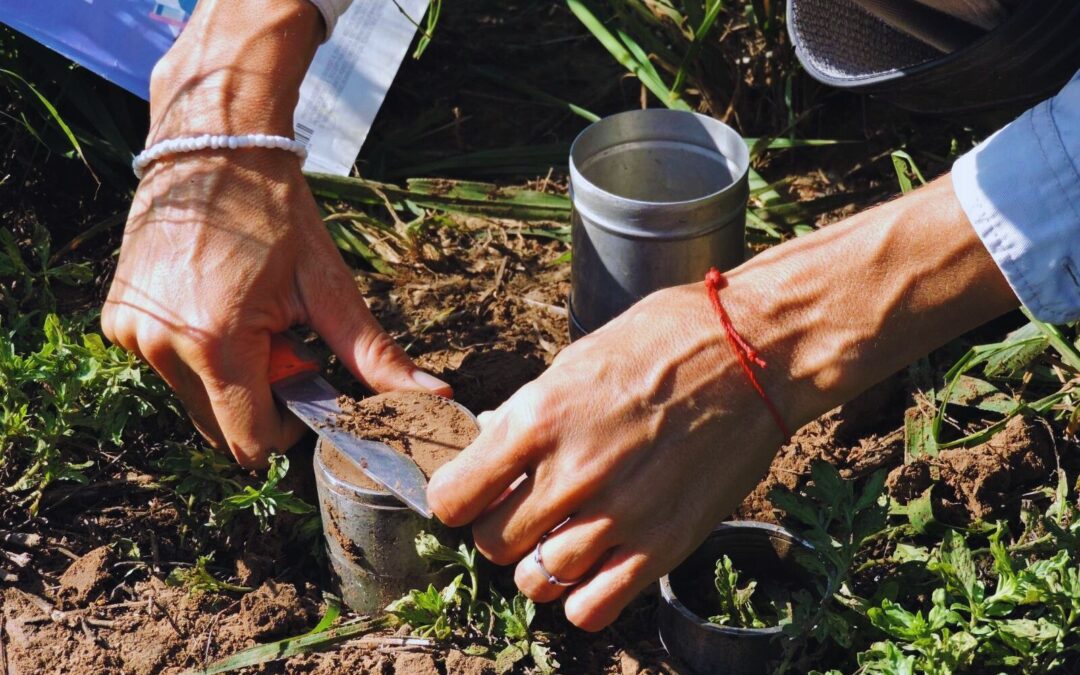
430,429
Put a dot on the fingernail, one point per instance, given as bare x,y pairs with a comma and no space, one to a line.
429,381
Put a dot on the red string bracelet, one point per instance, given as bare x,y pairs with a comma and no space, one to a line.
747,355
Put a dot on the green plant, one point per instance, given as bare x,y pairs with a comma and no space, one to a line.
1046,354
835,520
198,579
264,501
738,606
468,608
65,400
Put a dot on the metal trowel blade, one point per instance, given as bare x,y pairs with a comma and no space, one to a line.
314,401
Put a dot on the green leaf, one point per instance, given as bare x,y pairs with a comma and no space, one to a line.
872,491
289,647
906,171
829,486
54,114
919,511
543,659
918,435
627,52
510,656
1017,352
795,507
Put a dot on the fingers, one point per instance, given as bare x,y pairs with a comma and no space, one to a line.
569,553
598,600
238,387
337,312
513,524
482,473
221,382
155,348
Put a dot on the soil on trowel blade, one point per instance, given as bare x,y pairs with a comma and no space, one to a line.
428,428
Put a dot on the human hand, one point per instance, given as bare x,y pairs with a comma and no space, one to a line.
224,248
646,434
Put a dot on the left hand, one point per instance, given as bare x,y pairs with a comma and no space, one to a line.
631,434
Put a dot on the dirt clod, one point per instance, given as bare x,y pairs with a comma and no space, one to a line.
982,482
415,664
428,428
460,663
272,611
629,663
859,438
86,577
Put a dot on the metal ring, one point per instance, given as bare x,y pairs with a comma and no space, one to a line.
538,558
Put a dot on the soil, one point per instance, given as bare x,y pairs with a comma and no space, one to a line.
980,483
481,304
428,428
86,577
860,437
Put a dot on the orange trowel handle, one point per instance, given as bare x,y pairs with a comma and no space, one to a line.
288,357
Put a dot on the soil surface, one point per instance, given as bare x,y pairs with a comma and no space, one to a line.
985,482
481,304
428,428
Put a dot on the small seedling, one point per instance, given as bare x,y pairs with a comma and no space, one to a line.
741,606
465,608
264,501
198,579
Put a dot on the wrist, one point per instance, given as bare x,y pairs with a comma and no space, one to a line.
840,310
236,69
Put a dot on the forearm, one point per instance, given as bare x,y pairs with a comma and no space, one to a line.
837,311
235,69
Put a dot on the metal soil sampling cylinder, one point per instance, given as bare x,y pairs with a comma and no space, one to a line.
687,597
659,197
370,534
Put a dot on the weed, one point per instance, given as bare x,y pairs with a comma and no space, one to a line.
466,608
66,400
264,501
835,520
198,579
738,606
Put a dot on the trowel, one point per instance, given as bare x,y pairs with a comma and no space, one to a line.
296,382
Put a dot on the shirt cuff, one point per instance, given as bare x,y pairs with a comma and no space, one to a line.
331,11
1021,191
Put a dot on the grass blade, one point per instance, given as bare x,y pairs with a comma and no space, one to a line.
283,649
638,64
55,115
470,198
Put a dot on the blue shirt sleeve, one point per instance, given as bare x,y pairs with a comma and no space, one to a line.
1021,190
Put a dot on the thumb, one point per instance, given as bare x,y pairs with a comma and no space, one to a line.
338,313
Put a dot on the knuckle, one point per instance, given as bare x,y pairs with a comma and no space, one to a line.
155,343
163,78
493,546
208,350
379,348
248,456
533,410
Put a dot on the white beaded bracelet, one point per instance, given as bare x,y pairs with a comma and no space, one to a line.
174,146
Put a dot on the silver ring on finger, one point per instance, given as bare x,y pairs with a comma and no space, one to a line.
538,558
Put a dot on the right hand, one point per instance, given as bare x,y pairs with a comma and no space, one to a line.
225,248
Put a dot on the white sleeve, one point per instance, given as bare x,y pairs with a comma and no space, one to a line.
331,11
1021,191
